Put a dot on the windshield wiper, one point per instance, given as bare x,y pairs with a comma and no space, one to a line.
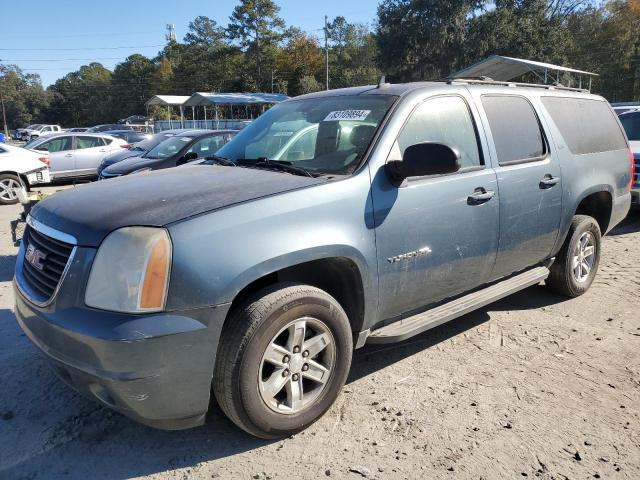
276,165
222,161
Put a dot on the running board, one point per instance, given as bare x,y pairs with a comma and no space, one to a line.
408,327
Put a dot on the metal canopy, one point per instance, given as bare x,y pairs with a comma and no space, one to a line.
205,99
175,100
503,69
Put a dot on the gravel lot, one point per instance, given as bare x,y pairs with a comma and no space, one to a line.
531,386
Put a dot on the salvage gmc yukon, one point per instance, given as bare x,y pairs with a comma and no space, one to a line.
336,219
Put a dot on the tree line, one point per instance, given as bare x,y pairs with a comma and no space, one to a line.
410,40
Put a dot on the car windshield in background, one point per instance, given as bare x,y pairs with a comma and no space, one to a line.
631,124
149,143
168,148
327,135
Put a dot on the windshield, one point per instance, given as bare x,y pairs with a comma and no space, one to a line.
631,124
168,148
149,143
322,135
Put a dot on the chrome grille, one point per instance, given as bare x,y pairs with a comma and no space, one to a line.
53,258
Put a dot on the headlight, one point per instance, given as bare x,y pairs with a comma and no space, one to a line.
131,271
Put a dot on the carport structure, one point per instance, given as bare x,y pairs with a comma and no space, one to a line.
169,101
230,100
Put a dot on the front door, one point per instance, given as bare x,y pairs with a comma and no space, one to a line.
60,155
436,236
529,181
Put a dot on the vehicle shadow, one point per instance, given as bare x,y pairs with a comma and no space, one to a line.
631,224
7,266
83,438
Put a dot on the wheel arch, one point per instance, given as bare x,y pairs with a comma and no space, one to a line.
341,276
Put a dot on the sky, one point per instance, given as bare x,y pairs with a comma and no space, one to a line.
55,37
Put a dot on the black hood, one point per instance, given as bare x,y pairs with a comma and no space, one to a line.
90,212
134,163
116,157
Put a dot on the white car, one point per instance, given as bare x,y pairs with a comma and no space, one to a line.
41,131
20,167
76,155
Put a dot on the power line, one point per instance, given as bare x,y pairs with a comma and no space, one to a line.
61,59
76,49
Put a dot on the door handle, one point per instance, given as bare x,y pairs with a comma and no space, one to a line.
480,195
548,181
69,155
102,150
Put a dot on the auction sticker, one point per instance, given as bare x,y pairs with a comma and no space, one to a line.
347,115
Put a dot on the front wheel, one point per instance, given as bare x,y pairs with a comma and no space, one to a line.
577,263
283,357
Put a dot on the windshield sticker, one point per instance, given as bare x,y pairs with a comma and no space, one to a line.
357,115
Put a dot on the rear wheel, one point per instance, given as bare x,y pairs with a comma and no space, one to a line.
283,357
577,263
8,186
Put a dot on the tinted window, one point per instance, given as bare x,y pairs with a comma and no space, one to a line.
587,126
443,120
169,147
58,144
207,146
88,142
514,127
631,124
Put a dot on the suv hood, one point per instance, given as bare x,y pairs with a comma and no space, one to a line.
90,212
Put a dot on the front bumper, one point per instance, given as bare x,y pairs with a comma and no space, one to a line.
38,177
155,369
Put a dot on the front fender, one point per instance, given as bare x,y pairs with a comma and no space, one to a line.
217,254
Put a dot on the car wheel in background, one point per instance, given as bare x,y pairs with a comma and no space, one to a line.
8,185
577,262
284,355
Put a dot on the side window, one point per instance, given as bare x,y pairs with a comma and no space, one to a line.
58,144
301,148
515,128
587,126
88,142
207,146
443,120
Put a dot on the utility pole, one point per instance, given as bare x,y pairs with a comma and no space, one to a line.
4,116
170,34
326,48
273,81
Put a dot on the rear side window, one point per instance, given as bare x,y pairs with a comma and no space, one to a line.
587,126
515,128
88,142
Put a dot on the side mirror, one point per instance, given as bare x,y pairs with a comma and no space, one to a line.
187,158
424,159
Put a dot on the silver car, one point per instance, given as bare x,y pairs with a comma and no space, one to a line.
76,155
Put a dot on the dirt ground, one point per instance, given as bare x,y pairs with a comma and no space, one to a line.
534,386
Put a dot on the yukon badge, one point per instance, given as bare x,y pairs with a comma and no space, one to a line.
408,255
35,257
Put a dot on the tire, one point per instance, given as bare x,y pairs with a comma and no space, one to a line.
8,183
264,324
566,278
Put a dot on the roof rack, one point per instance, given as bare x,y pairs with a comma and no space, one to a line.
490,81
498,69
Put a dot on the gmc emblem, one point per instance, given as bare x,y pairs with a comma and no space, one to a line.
35,257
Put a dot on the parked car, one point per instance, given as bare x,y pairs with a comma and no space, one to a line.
254,279
136,119
20,167
129,136
624,107
175,150
21,131
631,123
35,131
77,155
139,148
107,127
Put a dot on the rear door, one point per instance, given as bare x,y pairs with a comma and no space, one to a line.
89,152
529,180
